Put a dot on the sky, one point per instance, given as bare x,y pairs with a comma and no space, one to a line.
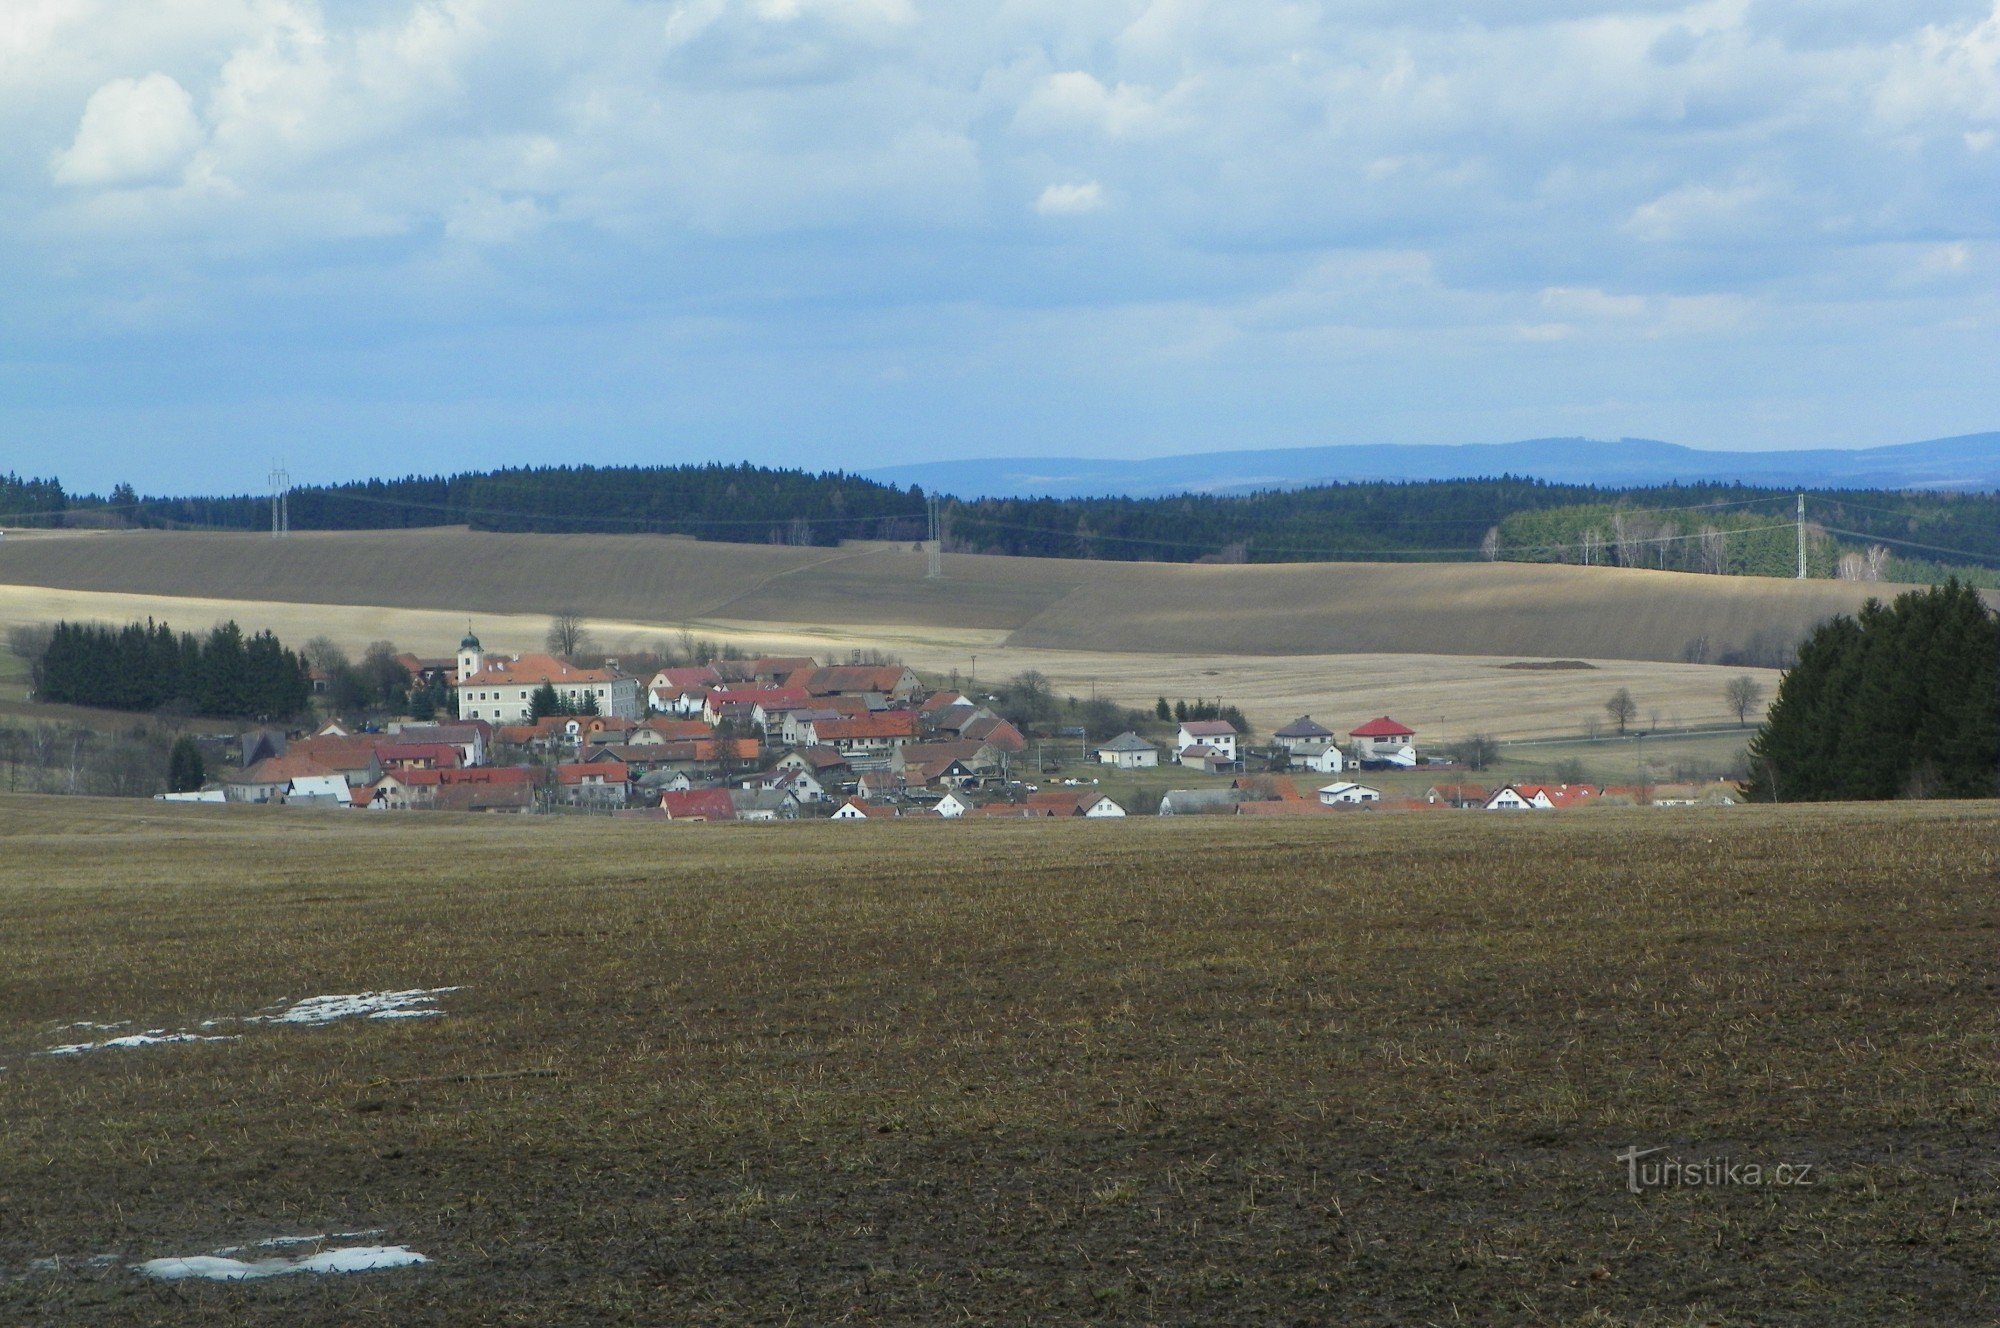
396,236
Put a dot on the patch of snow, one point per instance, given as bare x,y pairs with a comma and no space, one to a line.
216,1268
417,1004
151,1038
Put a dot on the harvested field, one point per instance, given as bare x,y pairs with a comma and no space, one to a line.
926,1073
1050,604
1442,696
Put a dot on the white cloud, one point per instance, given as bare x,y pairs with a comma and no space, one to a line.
134,131
1069,200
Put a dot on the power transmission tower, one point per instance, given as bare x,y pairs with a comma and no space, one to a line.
933,546
281,501
1802,537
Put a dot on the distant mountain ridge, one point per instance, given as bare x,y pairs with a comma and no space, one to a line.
1970,462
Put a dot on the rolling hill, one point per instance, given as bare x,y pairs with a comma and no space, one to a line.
1055,604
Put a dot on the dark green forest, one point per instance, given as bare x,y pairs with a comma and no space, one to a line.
1720,528
147,667
1901,700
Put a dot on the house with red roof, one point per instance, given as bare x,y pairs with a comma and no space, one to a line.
1383,741
599,783
699,805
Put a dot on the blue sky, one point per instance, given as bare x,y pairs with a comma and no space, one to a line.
383,236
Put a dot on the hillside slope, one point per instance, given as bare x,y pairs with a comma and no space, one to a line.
1057,604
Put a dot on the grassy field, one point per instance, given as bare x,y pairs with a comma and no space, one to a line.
1369,1071
1512,609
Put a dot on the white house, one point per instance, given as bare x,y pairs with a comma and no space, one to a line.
954,804
1326,762
1129,751
1217,733
1305,737
501,688
1337,794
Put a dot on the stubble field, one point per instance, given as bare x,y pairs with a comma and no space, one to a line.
1365,1070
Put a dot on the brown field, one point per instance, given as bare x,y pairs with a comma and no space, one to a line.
1341,641
1369,1070
1512,609
1441,696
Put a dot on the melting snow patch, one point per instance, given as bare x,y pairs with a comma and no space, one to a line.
151,1038
418,1004
215,1268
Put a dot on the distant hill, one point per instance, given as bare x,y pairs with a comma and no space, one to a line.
1968,463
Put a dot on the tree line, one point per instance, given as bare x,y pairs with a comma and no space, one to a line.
1900,700
1732,529
148,666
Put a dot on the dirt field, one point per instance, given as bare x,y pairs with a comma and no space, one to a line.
1374,1070
1051,604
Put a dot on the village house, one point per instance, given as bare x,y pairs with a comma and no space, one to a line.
1458,795
867,741
594,784
1346,794
1382,741
764,805
1129,751
442,789
1216,734
955,804
1069,802
1304,738
854,809
698,805
471,739
501,689
1541,797
270,779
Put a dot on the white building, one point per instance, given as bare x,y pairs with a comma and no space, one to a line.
501,688
1217,733
1338,794
1129,751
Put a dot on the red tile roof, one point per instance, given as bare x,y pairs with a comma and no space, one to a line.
583,772
698,805
533,670
887,724
1384,727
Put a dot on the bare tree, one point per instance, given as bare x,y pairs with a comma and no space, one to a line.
1622,709
568,636
1713,548
1744,694
324,654
1489,547
1475,752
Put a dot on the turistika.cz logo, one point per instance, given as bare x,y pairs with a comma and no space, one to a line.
1673,1172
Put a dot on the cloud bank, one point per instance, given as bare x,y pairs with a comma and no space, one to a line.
394,235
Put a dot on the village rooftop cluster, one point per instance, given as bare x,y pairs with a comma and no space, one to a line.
783,738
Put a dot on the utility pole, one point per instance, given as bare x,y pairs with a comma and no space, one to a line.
281,501
1802,537
933,548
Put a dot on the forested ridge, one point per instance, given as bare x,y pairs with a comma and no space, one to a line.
1723,528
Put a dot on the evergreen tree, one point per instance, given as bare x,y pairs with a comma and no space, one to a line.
1900,700
543,702
1161,710
186,772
